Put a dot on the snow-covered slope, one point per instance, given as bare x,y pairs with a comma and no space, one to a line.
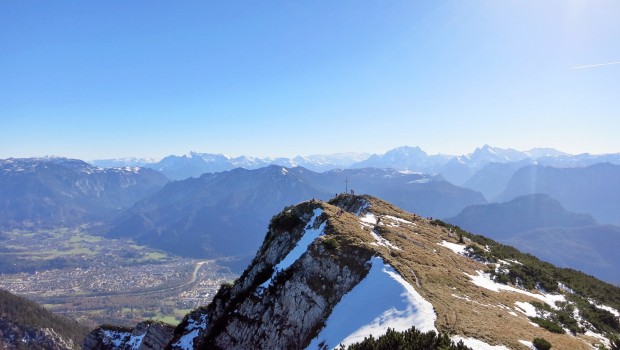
395,304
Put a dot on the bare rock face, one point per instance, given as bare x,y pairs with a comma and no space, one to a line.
273,308
288,315
156,336
145,336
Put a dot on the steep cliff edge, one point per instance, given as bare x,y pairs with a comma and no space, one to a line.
332,273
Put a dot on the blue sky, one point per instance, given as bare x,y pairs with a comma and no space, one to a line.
102,79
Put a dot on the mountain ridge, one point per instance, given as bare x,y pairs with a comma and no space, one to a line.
594,189
455,168
62,191
519,214
182,217
317,254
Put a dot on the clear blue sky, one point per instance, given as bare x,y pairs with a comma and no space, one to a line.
101,79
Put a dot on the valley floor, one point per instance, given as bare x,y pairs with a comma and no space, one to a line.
97,280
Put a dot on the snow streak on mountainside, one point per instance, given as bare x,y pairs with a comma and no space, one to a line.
395,304
321,277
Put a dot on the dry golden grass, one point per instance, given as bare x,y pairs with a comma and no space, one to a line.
439,275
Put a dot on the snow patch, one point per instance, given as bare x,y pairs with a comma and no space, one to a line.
565,288
380,241
528,309
606,308
127,169
114,338
310,234
124,340
514,261
369,218
363,208
382,300
469,299
484,280
599,337
399,220
457,248
135,341
477,344
410,172
529,344
420,181
193,329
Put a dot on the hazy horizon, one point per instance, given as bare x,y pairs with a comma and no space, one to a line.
141,79
299,155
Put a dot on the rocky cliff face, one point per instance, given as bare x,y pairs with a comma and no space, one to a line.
333,273
282,300
145,336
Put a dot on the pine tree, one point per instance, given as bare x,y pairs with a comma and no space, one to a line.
541,344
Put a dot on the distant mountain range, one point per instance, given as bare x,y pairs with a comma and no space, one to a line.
540,225
200,216
224,214
195,164
456,169
594,189
124,162
492,179
460,169
591,249
59,191
502,220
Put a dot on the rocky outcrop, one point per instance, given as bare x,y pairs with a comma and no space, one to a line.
16,336
289,314
157,336
145,336
280,309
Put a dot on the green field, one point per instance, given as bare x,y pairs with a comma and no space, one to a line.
49,244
